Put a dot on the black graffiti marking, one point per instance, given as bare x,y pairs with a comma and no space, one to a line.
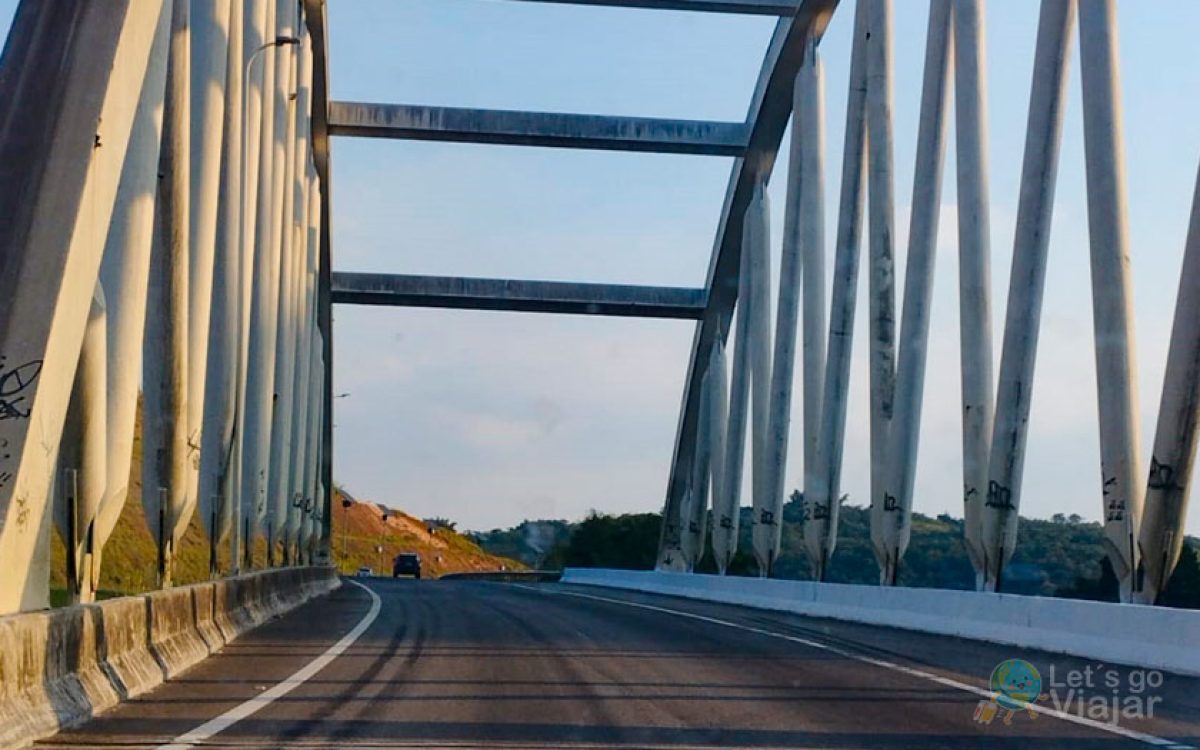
726,522
999,496
1162,476
5,478
767,518
13,382
19,378
890,503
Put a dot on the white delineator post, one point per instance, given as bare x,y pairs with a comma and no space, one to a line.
905,433
974,269
1112,290
821,502
165,470
209,43
1161,536
1026,286
216,490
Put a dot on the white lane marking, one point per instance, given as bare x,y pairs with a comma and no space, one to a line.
1131,734
215,726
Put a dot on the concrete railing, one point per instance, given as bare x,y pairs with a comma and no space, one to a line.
60,667
1151,637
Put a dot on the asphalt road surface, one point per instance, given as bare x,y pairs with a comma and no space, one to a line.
472,664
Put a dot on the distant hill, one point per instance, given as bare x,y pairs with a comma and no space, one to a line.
360,528
530,542
1061,557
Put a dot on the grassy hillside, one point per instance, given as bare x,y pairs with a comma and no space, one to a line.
131,558
359,529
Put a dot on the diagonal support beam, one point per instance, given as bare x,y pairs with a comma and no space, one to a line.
503,127
770,108
753,7
518,296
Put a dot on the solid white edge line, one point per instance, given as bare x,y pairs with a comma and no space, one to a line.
1131,734
252,706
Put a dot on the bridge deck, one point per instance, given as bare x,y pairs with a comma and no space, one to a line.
462,664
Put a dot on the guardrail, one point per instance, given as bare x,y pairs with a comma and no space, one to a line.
1137,635
60,667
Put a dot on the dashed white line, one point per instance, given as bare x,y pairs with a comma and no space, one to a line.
1131,734
215,726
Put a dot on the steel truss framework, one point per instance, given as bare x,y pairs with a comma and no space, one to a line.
80,148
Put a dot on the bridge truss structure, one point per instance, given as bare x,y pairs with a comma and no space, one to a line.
167,166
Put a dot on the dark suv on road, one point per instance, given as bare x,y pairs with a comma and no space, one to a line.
406,564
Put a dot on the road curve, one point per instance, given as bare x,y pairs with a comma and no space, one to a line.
469,664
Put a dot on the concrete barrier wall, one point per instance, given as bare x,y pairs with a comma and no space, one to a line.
60,667
1151,637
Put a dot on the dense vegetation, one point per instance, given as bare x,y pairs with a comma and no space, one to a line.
1058,557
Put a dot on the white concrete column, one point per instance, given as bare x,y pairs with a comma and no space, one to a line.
210,53
255,29
1160,539
810,106
312,390
1112,289
310,531
285,343
165,470
725,544
802,261
82,458
217,491
694,509
766,514
125,274
52,254
821,501
264,280
974,268
905,434
1026,286
881,286
305,287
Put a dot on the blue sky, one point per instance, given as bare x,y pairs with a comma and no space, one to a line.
489,418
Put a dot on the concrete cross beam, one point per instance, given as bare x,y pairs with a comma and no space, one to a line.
512,128
518,295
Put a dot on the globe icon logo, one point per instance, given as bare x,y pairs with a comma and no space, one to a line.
1016,683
